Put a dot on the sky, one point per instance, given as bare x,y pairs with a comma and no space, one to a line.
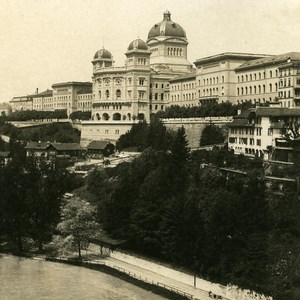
43,42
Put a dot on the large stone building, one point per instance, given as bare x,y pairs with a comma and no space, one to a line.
157,74
127,94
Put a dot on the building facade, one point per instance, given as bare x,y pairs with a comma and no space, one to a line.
128,94
256,132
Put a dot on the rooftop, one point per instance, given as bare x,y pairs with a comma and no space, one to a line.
229,55
271,59
70,83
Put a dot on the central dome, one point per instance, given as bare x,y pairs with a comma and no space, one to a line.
166,28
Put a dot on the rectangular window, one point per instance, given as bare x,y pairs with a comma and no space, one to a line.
141,81
106,131
258,142
156,96
117,131
161,96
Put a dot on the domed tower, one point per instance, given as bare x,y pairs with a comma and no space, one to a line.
138,54
102,59
138,78
168,44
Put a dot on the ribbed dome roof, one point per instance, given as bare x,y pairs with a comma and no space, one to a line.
102,53
167,28
137,44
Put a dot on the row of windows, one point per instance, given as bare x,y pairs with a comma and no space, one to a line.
156,85
285,82
84,104
156,96
285,72
211,81
256,76
254,101
88,96
188,86
185,97
255,89
156,107
285,94
175,51
250,131
242,131
62,97
244,141
211,92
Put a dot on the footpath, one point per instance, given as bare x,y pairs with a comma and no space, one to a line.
157,279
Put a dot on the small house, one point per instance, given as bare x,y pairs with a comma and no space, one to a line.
100,148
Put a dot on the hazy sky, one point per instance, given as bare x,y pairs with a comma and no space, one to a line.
49,41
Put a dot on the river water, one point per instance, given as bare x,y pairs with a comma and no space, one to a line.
27,279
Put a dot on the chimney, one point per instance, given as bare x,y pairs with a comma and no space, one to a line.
37,91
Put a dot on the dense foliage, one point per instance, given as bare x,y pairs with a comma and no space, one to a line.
28,115
205,110
184,208
80,115
59,132
31,193
211,135
143,135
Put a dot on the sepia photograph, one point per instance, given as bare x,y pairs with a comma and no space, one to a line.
149,150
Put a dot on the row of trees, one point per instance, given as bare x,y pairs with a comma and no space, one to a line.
60,132
27,115
179,207
80,115
205,110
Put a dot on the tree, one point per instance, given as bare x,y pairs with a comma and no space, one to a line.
78,221
211,135
44,193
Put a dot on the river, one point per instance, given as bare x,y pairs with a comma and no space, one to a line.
28,279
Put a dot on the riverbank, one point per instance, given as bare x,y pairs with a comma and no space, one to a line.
154,287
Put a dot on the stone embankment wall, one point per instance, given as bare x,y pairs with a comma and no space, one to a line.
194,126
229,292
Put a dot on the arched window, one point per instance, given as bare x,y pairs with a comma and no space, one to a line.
129,116
250,90
250,77
97,116
100,95
271,74
270,87
118,93
264,88
116,116
259,76
107,94
105,116
259,89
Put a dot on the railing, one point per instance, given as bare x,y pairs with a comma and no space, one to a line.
165,286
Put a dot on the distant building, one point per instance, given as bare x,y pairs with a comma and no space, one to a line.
49,150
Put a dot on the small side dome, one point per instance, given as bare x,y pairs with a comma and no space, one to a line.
137,44
102,53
